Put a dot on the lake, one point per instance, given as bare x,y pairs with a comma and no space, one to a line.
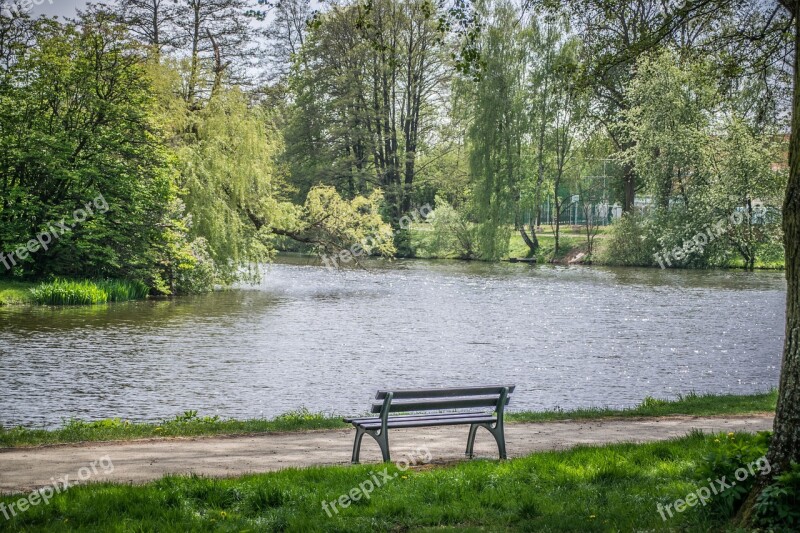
308,336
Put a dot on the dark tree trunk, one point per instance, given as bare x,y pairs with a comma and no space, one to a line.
628,189
785,445
531,240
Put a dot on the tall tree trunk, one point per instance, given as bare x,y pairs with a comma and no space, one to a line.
628,188
785,445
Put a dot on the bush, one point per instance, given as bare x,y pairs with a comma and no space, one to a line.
733,453
452,234
778,505
629,243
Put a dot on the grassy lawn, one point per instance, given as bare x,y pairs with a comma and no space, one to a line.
16,293
190,424
608,488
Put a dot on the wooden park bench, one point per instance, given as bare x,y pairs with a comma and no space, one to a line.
435,407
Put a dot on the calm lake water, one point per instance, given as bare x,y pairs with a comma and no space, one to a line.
307,336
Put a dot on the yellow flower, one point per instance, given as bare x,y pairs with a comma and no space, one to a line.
159,429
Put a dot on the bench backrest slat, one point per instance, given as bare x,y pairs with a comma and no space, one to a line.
413,394
441,403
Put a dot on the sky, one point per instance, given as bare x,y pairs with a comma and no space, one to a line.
62,8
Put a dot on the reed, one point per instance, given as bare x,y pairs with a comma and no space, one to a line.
87,292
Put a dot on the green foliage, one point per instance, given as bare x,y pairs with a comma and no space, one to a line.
668,122
497,129
121,291
72,292
188,423
15,292
230,179
62,292
79,125
734,452
690,404
778,506
629,243
450,233
701,163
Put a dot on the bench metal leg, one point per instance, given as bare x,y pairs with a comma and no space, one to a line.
473,428
357,445
496,431
382,438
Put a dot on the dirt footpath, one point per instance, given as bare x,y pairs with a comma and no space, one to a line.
140,461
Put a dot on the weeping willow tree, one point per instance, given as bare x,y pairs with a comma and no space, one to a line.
498,128
236,196
229,175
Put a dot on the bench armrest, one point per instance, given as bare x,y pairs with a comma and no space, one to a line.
387,402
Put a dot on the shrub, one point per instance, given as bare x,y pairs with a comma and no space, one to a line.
778,505
732,454
629,243
453,235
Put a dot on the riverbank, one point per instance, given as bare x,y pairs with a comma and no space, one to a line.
591,487
190,424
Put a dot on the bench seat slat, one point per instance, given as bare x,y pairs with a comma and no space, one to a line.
393,423
460,402
413,394
363,419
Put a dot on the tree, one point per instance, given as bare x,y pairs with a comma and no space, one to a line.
614,34
785,445
151,21
77,123
497,129
219,36
745,185
569,110
364,88
669,126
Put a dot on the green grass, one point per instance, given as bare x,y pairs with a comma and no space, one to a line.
190,424
87,292
16,293
608,488
690,404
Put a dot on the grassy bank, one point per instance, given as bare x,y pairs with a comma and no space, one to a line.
615,487
16,292
690,404
71,292
190,424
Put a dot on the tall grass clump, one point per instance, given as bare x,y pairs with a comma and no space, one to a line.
122,291
86,292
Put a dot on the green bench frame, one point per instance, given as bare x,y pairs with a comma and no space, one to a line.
434,407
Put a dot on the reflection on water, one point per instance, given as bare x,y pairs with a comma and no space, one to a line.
307,336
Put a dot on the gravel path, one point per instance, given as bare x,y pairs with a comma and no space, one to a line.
24,469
